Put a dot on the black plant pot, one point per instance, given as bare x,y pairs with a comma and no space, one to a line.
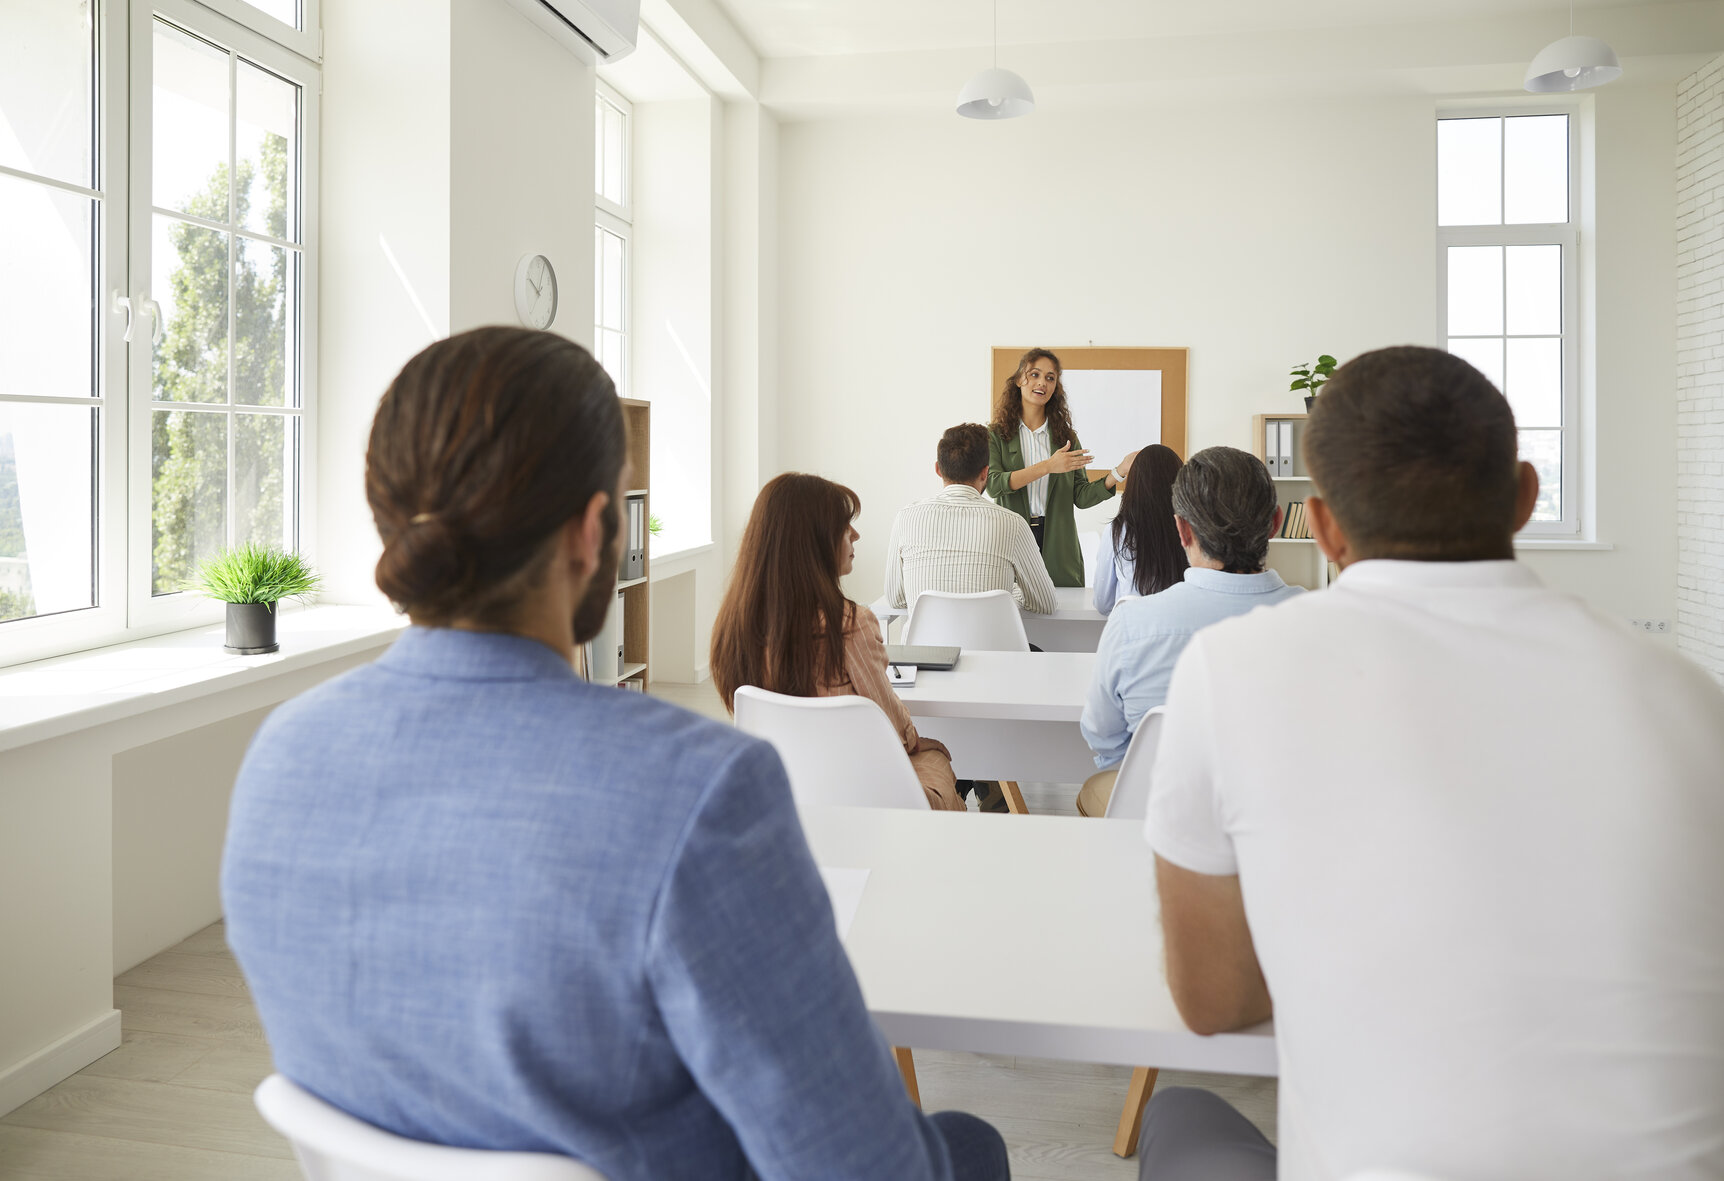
1310,403
250,629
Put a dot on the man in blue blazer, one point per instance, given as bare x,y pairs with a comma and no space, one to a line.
484,903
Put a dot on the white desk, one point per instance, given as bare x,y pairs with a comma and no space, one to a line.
1074,626
1063,959
1008,715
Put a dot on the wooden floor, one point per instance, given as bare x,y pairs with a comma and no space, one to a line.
173,1103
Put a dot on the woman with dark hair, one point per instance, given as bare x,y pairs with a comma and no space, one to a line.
1140,553
1036,466
785,624
480,901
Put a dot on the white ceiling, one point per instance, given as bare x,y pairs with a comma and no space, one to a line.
801,28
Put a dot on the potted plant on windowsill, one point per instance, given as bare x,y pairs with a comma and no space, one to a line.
1312,376
251,579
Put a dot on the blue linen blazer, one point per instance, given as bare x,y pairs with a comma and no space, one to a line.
481,902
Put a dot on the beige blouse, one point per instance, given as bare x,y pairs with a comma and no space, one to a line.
864,675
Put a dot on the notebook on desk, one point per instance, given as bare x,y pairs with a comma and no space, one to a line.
934,656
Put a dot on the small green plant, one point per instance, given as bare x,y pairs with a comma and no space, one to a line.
1312,377
253,573
654,526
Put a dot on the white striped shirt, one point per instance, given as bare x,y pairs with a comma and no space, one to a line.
1037,446
961,542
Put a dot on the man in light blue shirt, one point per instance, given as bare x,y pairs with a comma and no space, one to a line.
1225,510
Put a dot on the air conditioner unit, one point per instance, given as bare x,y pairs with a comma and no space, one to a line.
594,30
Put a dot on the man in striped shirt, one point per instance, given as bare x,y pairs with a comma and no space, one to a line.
960,541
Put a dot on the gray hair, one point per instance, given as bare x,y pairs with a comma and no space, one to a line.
1228,499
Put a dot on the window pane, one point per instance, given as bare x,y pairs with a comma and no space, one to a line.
47,509
47,88
285,11
191,268
599,146
263,356
188,488
1534,290
47,284
1483,353
1543,449
1534,386
611,352
1535,169
260,464
615,140
189,145
612,310
598,276
1475,290
266,141
1469,172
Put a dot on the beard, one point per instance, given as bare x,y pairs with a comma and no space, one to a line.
595,602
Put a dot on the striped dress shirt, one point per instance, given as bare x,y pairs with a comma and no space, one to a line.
1037,445
961,542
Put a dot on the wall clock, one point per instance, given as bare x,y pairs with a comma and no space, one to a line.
535,291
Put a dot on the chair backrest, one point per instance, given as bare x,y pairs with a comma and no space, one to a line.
985,621
1130,798
836,750
334,1146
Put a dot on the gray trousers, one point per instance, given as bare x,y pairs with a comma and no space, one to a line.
1194,1135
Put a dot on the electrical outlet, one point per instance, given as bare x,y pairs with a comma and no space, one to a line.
1650,625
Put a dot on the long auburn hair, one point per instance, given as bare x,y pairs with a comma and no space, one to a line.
781,625
1144,531
1010,411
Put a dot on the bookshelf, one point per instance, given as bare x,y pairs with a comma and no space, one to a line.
629,623
1296,559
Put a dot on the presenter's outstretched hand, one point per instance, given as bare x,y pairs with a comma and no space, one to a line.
1067,460
1124,468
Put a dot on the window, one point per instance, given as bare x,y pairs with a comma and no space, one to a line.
612,218
1507,274
156,317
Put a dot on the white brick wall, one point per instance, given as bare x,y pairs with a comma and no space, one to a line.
1700,366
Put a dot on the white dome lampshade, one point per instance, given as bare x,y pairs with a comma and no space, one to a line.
996,94
1573,63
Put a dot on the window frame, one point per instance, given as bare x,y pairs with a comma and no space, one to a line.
305,40
1573,523
123,509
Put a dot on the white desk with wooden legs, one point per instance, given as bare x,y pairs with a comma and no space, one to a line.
1074,626
1008,715
1063,962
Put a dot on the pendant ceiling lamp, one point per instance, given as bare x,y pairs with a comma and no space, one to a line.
995,93
1573,63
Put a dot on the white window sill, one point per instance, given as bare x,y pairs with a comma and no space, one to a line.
50,698
1549,543
675,563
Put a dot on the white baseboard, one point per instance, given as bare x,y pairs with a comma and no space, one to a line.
61,1060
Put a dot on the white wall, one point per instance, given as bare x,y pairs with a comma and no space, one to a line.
1700,374
1258,234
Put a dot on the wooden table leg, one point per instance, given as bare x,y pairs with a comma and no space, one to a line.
1014,797
1131,1117
907,1068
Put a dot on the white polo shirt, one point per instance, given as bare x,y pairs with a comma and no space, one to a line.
1479,830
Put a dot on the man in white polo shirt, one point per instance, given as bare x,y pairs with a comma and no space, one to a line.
1477,830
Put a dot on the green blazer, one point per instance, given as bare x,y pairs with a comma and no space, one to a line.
1066,490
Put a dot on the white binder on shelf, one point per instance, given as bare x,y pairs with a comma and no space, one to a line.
1285,449
1272,446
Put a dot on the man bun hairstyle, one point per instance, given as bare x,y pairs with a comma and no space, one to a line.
1228,499
1415,453
484,445
963,452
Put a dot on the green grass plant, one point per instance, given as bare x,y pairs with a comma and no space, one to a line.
253,573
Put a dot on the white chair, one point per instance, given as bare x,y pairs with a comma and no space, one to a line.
985,621
334,1146
836,750
1130,798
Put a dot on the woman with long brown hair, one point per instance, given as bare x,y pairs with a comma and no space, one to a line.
1140,553
1036,465
785,624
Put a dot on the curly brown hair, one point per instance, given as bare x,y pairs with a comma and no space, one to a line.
1011,408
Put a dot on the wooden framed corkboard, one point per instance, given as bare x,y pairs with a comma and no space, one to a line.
1117,393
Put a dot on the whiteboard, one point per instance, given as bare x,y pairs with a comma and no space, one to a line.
1115,411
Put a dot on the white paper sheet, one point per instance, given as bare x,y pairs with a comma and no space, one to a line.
1114,410
844,886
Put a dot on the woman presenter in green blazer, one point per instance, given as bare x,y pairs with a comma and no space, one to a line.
1036,466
